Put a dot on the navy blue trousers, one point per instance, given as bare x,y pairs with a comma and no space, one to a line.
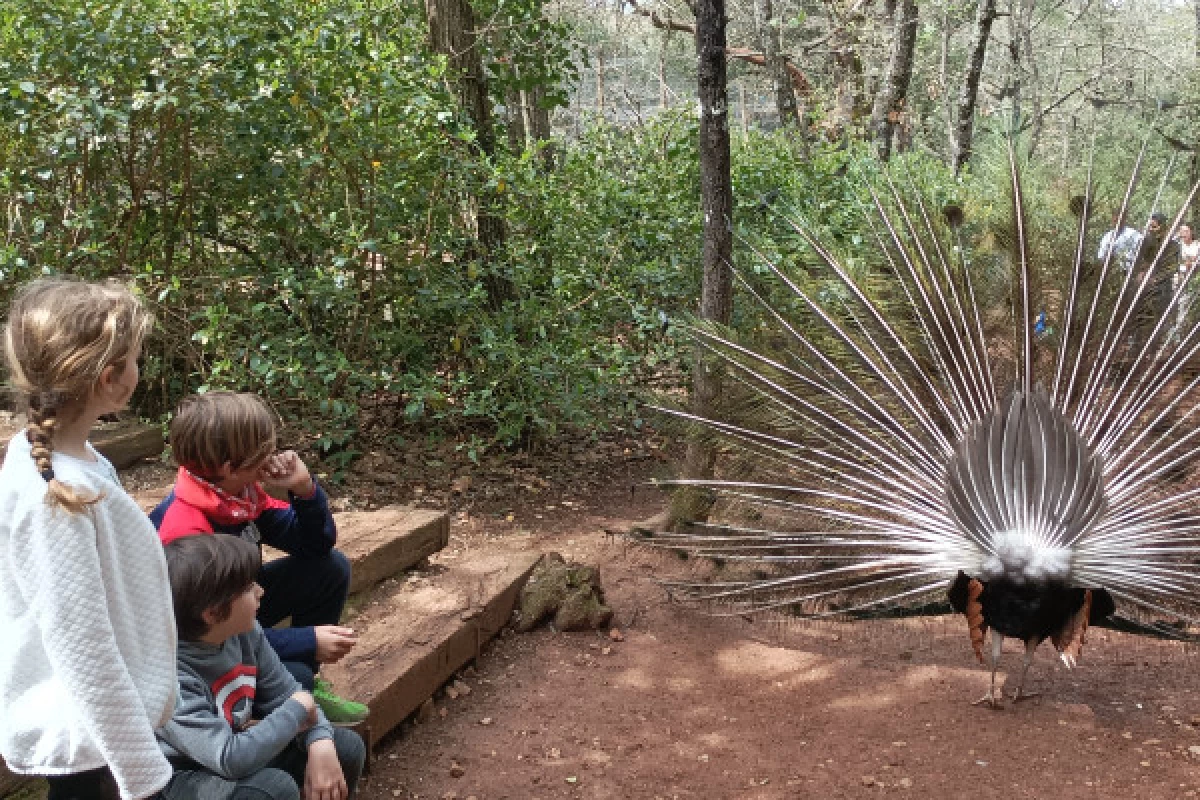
312,591
95,784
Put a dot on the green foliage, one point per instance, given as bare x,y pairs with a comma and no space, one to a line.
287,183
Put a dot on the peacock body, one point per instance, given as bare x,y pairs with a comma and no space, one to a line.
899,448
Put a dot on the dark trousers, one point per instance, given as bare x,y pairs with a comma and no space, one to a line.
312,591
95,784
282,779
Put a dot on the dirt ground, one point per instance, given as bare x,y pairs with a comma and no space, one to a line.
688,706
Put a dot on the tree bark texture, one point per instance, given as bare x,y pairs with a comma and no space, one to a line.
769,43
893,94
849,104
535,116
452,33
600,80
964,119
716,198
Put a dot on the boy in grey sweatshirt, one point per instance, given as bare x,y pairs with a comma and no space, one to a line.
243,727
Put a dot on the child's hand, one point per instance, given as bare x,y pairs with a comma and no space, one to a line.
285,470
305,699
333,642
323,778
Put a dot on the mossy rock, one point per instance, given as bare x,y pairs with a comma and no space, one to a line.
568,592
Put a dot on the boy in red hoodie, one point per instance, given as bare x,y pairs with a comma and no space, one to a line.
224,443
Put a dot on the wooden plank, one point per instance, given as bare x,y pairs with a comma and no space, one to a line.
382,543
414,639
123,443
128,443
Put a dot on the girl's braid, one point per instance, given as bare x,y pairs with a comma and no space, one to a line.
43,415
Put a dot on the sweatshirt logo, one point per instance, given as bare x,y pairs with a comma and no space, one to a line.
233,694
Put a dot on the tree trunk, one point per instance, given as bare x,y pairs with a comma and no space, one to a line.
1030,66
964,120
514,120
536,117
452,33
893,94
664,93
600,81
849,106
716,198
781,82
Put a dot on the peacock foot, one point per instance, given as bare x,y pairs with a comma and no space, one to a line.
992,699
1020,694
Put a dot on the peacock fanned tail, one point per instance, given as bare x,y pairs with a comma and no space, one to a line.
900,424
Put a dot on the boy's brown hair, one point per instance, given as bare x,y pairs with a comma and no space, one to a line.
217,428
208,571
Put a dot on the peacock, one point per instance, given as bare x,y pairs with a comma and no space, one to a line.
905,442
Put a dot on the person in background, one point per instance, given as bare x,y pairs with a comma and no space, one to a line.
87,666
1189,253
1122,241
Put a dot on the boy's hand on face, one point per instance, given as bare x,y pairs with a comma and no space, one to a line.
305,699
333,642
285,470
323,778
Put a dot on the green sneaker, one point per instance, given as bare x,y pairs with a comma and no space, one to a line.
339,711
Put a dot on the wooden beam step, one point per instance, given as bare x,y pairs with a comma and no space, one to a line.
416,636
382,543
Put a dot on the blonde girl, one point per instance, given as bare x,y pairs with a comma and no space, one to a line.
87,669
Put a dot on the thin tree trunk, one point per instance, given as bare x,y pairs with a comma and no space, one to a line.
515,120
1014,63
536,116
452,33
600,81
1030,65
964,120
745,108
849,106
893,94
664,93
781,82
716,197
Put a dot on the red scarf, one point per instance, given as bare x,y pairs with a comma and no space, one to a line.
219,505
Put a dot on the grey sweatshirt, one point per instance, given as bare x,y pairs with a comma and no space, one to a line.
221,689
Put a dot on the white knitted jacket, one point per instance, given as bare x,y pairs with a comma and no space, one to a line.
87,660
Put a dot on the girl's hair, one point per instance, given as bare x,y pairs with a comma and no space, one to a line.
61,335
207,572
213,429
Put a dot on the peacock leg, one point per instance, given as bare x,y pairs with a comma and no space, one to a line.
1020,693
991,698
